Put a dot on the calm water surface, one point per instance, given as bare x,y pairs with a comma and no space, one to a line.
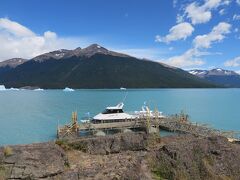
32,116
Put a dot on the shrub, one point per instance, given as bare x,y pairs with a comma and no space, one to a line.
7,151
63,143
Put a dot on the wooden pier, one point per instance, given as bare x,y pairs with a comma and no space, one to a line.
177,123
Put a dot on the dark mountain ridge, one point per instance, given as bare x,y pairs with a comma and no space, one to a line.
78,52
54,55
97,67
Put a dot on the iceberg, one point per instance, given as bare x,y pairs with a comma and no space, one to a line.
38,89
14,89
68,89
2,88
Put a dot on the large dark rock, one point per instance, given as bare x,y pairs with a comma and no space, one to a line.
197,158
111,144
41,160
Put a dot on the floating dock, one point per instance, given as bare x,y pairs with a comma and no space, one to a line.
175,123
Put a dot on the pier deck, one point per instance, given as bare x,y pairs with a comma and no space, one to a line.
176,123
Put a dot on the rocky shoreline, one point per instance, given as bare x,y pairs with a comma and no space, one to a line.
123,156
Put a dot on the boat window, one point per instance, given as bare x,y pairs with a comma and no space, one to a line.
111,111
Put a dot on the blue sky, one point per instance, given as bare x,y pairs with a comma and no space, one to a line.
187,34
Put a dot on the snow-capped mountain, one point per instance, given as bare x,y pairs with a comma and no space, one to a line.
58,54
12,63
92,50
96,67
219,76
199,73
78,52
213,72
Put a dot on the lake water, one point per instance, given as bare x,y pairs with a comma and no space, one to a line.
28,116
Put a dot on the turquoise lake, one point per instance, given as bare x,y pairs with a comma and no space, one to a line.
28,116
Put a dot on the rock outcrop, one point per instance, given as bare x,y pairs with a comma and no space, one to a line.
111,144
43,160
123,156
197,158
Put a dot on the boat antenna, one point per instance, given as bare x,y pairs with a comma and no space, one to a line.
125,97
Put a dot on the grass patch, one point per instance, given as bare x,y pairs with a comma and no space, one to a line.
7,151
161,169
63,144
153,139
161,173
4,172
66,164
210,160
80,146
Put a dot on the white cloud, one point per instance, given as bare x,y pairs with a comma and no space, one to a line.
209,4
233,62
50,35
217,34
202,13
147,53
19,41
175,3
197,14
238,2
177,32
227,2
180,18
193,56
11,27
238,72
222,12
236,17
188,59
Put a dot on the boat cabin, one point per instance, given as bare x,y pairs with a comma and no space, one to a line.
112,111
112,114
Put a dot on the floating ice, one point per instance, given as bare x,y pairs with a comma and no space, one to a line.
38,89
14,89
2,88
68,89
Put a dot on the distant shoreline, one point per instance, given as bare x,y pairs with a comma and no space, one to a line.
145,88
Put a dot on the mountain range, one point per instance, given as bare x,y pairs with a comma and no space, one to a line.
218,76
94,67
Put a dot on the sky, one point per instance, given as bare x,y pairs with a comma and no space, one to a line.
189,34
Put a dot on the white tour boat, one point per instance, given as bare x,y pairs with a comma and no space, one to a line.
112,114
116,114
